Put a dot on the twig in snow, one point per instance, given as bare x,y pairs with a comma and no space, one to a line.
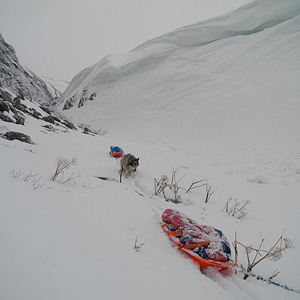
209,192
136,246
236,210
194,186
275,253
16,174
62,165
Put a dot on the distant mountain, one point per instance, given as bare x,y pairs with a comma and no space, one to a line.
55,86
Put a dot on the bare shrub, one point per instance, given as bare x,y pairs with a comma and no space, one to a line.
236,209
62,165
274,253
163,183
27,177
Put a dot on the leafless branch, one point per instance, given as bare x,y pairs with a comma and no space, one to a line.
236,210
275,252
194,185
62,165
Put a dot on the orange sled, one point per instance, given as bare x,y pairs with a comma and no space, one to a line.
203,263
203,243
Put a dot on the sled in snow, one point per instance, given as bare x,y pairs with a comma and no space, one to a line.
116,151
204,244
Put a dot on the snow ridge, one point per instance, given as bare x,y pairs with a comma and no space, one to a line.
247,20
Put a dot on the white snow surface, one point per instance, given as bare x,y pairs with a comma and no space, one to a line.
219,99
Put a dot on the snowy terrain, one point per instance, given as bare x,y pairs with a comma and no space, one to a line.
220,100
56,86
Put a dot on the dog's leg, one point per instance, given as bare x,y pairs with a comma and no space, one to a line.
121,172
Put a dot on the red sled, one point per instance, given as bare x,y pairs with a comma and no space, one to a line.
204,244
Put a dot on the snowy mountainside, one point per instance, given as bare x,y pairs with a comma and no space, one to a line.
20,81
225,112
55,86
198,72
249,19
23,94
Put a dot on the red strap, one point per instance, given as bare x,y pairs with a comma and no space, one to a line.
196,245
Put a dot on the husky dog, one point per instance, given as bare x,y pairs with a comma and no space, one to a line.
129,163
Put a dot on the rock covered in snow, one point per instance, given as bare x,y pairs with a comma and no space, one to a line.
22,137
24,95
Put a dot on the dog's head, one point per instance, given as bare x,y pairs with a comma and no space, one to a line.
133,163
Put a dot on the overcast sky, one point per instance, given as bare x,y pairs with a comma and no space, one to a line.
59,38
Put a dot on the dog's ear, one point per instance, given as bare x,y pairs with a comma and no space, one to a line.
138,159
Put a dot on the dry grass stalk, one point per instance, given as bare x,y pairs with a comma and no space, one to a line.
275,253
137,246
163,183
17,174
160,185
27,177
209,192
72,177
62,165
235,250
236,210
32,178
274,274
194,186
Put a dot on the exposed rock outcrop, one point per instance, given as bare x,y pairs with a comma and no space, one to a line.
18,80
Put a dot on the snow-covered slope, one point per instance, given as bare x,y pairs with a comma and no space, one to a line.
221,106
247,60
56,86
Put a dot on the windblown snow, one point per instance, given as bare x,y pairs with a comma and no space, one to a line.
219,101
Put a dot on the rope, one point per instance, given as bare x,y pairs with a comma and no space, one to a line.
267,280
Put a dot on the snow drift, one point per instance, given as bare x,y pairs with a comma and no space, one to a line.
247,55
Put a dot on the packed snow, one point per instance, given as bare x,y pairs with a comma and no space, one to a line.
225,110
